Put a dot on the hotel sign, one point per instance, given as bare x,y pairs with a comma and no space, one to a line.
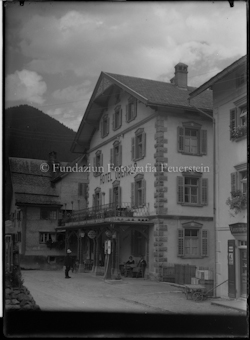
238,228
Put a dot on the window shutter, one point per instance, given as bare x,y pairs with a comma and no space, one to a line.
127,113
233,121
143,192
84,190
234,181
180,242
180,189
113,121
203,142
79,189
120,155
204,191
135,108
94,165
93,200
101,161
119,196
143,144
102,128
132,194
180,138
120,118
204,242
111,157
133,148
108,122
110,196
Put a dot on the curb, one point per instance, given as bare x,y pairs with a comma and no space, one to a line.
229,307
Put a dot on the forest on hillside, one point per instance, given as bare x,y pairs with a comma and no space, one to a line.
30,133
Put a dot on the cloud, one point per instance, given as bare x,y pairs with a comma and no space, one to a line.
25,85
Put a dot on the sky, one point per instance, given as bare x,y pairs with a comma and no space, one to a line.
55,51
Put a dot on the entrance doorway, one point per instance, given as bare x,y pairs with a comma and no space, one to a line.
243,272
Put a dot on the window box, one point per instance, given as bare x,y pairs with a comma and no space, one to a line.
238,132
237,201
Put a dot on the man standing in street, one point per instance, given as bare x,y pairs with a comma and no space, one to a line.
68,264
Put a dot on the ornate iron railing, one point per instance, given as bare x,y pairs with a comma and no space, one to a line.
106,211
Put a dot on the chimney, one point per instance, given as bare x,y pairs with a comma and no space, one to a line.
181,72
53,160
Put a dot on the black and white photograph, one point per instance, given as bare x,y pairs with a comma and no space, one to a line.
125,169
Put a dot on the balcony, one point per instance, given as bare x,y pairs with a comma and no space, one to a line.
107,213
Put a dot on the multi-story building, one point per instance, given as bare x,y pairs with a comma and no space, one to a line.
41,198
150,157
230,113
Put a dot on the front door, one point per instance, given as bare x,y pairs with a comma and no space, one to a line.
243,272
231,269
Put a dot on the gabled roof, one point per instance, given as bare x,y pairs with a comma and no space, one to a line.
30,184
150,92
218,76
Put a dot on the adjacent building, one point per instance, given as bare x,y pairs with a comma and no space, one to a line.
230,114
41,198
150,180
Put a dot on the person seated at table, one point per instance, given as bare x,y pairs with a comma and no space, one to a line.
128,267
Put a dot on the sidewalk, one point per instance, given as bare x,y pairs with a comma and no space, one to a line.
240,305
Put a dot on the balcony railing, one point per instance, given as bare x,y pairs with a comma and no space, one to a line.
106,211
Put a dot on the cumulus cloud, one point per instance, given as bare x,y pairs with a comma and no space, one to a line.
25,85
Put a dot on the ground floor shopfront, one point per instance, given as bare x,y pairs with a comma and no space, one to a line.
103,245
232,266
103,248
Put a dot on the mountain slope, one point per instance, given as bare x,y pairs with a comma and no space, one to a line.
30,133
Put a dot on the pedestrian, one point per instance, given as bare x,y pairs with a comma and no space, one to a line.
68,264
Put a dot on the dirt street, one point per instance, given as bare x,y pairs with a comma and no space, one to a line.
86,292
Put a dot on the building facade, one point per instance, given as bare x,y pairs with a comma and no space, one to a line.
40,200
149,164
230,113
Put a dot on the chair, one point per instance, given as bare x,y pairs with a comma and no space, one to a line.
128,270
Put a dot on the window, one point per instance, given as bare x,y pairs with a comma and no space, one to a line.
98,163
131,109
192,139
51,259
138,191
116,154
82,189
192,189
138,142
239,179
238,122
138,243
192,240
48,214
97,198
115,194
104,125
117,118
46,236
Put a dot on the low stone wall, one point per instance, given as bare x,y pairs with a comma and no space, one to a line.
19,299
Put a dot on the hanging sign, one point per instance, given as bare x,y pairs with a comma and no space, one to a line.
91,234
